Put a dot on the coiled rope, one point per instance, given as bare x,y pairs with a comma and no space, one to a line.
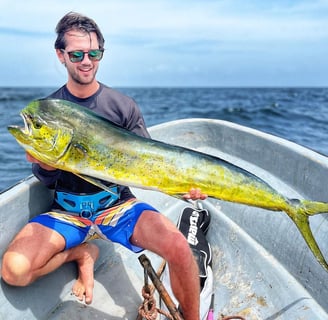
148,309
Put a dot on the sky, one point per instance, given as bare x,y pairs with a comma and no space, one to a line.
182,43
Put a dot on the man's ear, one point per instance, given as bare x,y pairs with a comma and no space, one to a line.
60,56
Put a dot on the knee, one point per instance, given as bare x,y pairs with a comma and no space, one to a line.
179,250
15,269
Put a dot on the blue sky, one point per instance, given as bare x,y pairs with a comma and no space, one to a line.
174,43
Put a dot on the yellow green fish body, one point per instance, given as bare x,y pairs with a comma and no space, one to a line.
73,138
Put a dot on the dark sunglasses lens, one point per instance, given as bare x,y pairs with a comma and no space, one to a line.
76,56
95,54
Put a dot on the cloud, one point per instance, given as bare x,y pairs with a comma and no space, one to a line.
181,41
23,32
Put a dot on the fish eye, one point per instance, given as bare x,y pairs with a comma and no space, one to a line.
37,124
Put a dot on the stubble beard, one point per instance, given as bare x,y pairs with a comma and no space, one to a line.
77,78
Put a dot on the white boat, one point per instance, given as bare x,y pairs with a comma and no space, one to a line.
261,265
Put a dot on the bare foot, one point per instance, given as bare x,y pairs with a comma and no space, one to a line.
83,287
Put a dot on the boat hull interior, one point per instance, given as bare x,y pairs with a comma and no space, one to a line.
262,267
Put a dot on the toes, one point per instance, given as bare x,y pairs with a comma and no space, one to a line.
88,297
78,294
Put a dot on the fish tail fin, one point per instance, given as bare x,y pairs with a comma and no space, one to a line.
311,208
300,215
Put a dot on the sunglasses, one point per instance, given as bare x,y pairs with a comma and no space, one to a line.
78,55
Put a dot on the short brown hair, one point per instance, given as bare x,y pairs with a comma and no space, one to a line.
76,21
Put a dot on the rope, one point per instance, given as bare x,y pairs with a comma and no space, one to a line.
148,309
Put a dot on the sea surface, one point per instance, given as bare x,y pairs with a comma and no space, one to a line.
296,114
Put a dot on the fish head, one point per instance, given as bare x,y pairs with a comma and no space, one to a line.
43,136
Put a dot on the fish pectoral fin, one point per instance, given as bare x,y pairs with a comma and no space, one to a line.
81,149
95,182
302,222
60,146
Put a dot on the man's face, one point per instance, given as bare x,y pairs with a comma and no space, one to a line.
83,72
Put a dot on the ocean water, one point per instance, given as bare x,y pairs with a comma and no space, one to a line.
296,114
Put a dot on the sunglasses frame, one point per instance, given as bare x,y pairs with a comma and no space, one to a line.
75,59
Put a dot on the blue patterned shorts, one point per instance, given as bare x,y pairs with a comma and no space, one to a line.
115,224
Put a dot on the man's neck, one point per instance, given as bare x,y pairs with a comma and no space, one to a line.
82,91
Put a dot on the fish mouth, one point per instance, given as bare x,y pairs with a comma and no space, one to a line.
26,130
27,124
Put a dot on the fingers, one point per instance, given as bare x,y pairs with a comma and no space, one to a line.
29,158
195,194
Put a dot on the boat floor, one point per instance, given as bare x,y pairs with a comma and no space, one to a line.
248,280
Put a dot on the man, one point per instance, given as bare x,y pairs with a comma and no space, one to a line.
42,245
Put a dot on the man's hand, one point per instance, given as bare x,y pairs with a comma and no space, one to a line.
195,194
44,166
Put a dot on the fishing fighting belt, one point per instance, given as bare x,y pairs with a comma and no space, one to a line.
85,205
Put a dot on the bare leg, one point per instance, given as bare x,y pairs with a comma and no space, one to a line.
156,233
38,250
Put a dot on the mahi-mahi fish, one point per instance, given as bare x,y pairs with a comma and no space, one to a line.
73,138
